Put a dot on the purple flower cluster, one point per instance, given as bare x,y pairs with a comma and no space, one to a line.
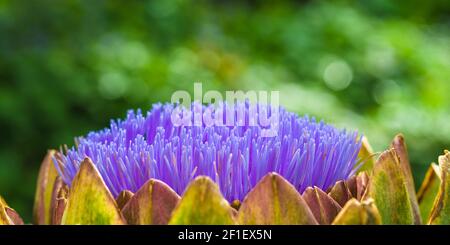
131,151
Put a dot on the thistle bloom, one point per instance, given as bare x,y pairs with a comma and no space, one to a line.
135,172
130,152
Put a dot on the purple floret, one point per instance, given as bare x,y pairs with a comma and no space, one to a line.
130,152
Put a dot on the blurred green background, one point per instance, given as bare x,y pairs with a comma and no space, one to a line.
68,67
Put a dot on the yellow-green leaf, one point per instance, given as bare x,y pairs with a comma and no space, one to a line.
152,204
429,190
440,214
46,179
366,155
274,201
4,219
401,150
388,189
8,216
358,213
202,204
90,202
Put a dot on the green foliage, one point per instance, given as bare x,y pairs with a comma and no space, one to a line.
68,67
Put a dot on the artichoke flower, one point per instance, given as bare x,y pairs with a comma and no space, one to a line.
145,170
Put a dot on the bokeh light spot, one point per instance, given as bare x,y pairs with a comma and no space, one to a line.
338,75
112,85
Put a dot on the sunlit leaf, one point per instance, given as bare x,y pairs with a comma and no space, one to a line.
274,201
90,202
366,155
44,189
388,189
4,219
358,213
8,216
152,204
202,203
429,190
401,150
440,213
